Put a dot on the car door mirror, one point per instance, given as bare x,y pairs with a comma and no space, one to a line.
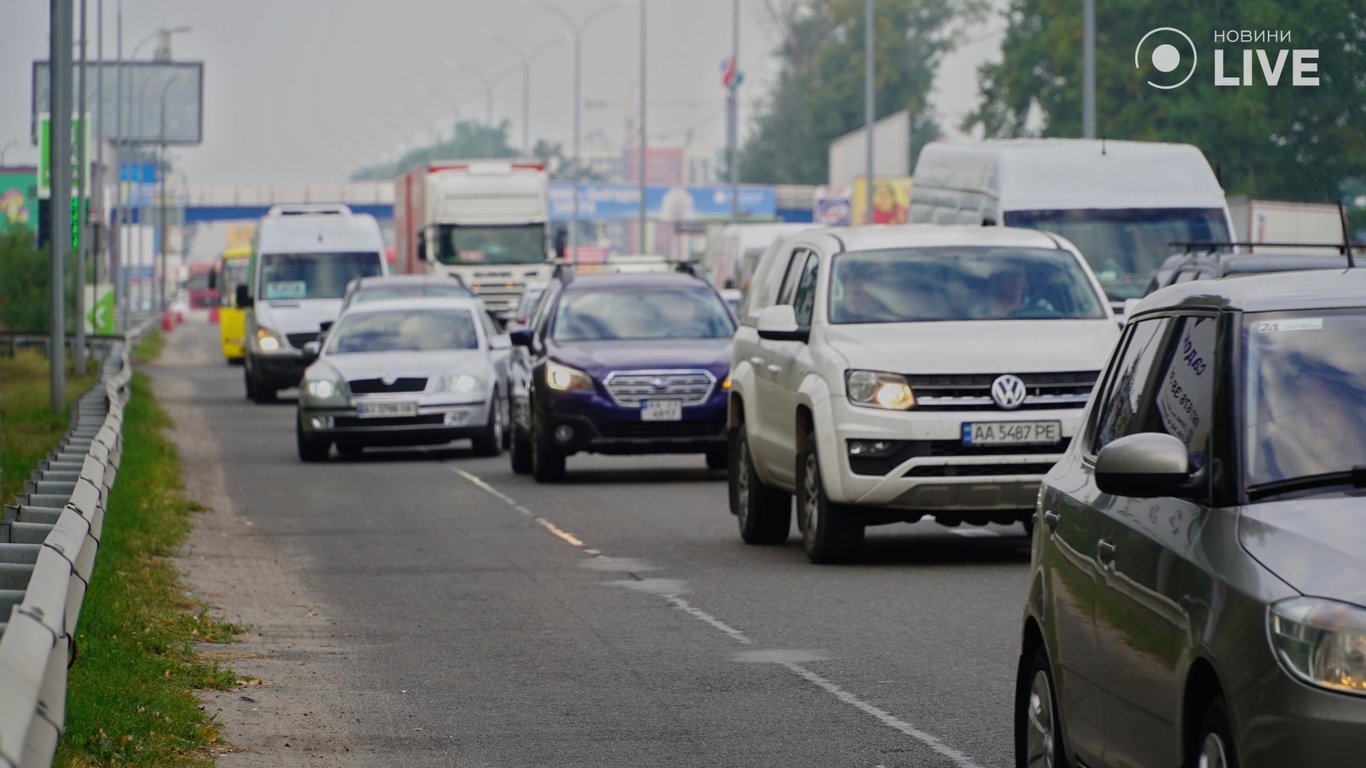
325,326
1146,465
779,323
501,341
243,297
521,337
312,349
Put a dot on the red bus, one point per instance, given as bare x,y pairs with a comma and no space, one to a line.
202,284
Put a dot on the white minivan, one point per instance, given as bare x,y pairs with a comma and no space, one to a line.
301,260
1122,203
882,374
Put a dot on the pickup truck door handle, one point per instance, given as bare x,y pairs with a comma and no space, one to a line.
774,368
1051,519
756,360
1105,552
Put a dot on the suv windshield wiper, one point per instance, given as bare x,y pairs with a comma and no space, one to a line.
1356,477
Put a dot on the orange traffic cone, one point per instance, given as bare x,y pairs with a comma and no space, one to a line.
167,322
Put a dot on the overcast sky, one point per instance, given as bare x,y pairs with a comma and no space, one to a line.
309,90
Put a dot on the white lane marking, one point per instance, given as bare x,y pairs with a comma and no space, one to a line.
780,656
886,718
959,759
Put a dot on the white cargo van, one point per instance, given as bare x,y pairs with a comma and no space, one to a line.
1122,203
301,260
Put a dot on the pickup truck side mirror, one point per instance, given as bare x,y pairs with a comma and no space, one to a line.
521,337
779,323
243,297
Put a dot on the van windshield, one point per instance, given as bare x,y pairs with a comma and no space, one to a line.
1126,246
294,276
517,244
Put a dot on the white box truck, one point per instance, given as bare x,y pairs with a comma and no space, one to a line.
1122,203
1285,222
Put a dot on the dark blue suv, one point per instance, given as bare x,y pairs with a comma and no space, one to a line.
622,364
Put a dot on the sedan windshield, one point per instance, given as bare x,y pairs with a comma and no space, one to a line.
960,283
406,330
642,313
293,276
1305,394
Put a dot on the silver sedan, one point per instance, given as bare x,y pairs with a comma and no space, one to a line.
405,372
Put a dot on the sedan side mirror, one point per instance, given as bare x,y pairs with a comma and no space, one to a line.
243,297
521,337
779,323
311,350
1145,466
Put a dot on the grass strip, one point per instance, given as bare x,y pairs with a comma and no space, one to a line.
131,694
28,429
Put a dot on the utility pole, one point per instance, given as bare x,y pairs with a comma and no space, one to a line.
733,113
59,160
1088,71
641,226
869,106
82,244
120,218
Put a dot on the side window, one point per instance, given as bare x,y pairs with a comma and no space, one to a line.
792,275
1184,393
1127,384
804,300
538,320
490,329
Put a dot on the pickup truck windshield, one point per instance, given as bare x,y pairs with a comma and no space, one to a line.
1305,393
474,245
1126,246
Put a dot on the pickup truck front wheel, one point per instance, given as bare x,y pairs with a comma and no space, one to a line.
765,514
830,534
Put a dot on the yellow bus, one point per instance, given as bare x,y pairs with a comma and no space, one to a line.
232,319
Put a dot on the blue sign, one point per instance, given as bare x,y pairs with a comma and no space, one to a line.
143,173
606,202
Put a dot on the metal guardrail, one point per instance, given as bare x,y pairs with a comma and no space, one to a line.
48,540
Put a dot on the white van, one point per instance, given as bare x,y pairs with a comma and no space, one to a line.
1122,203
733,252
301,260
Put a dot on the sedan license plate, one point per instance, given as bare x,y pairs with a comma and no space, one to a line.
661,410
383,410
1011,432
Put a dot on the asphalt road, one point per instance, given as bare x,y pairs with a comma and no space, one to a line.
615,619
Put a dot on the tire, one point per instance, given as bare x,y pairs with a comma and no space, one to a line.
258,392
520,453
1213,747
248,382
507,423
718,458
490,441
1038,721
547,463
764,513
310,450
829,532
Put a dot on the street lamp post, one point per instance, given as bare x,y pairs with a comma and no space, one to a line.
577,30
161,284
526,60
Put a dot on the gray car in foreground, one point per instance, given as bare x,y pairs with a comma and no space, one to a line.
405,372
1197,590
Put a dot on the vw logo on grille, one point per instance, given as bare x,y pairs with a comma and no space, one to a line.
1008,391
388,379
659,383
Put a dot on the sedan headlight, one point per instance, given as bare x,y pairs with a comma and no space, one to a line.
268,340
563,378
874,389
1322,642
460,384
323,391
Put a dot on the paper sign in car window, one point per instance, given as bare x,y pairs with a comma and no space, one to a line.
1299,324
287,289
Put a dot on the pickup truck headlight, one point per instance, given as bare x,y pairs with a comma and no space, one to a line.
1322,642
459,383
268,340
563,378
324,391
874,389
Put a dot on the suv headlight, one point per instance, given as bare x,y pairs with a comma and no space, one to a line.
459,383
874,389
563,378
325,391
1322,642
268,340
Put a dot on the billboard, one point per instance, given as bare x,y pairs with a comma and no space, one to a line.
891,200
621,202
145,83
18,198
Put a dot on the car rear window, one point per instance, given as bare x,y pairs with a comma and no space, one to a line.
406,330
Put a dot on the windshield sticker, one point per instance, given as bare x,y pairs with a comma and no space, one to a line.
287,289
1306,324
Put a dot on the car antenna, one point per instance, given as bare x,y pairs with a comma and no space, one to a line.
1102,145
1346,235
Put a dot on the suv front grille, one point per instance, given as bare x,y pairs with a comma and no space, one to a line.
972,392
662,429
377,386
629,388
298,340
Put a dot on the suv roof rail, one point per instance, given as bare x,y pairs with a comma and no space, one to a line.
1211,246
309,209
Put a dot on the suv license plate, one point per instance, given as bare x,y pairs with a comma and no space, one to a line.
1011,432
381,410
661,410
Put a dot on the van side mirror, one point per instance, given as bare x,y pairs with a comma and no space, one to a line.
243,297
779,323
